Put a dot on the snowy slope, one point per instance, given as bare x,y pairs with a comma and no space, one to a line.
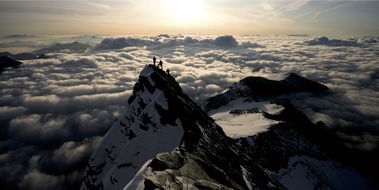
243,118
139,151
136,137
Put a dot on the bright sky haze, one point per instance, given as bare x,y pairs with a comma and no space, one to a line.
126,17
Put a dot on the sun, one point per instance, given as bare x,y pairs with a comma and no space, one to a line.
185,11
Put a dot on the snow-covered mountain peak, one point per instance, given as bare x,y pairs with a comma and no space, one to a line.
159,114
143,130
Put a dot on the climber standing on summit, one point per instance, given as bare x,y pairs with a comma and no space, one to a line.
154,60
160,64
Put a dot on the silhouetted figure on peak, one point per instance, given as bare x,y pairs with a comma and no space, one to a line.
168,71
160,64
154,60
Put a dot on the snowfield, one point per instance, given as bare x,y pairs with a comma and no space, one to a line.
244,124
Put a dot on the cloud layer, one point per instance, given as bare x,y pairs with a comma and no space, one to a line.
54,111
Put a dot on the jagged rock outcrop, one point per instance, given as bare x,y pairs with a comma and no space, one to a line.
257,87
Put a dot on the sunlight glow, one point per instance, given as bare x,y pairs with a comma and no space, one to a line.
185,11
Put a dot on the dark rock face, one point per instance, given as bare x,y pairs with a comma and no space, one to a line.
298,137
257,87
7,61
264,154
211,164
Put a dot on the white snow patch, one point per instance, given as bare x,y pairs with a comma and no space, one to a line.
146,71
151,81
145,96
151,111
125,156
160,99
236,126
137,183
270,185
244,175
136,151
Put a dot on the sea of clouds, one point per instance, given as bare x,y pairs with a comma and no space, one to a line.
54,111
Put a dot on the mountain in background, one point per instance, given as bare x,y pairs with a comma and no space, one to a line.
258,87
24,56
7,61
141,150
74,47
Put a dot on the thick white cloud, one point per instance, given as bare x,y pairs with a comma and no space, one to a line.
8,112
54,111
37,128
36,180
71,152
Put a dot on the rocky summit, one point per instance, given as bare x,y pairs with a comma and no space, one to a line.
164,140
146,136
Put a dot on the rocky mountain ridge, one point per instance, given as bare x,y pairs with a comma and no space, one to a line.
142,149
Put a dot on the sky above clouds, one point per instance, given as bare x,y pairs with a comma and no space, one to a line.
126,17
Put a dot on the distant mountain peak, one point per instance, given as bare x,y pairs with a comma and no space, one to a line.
257,87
